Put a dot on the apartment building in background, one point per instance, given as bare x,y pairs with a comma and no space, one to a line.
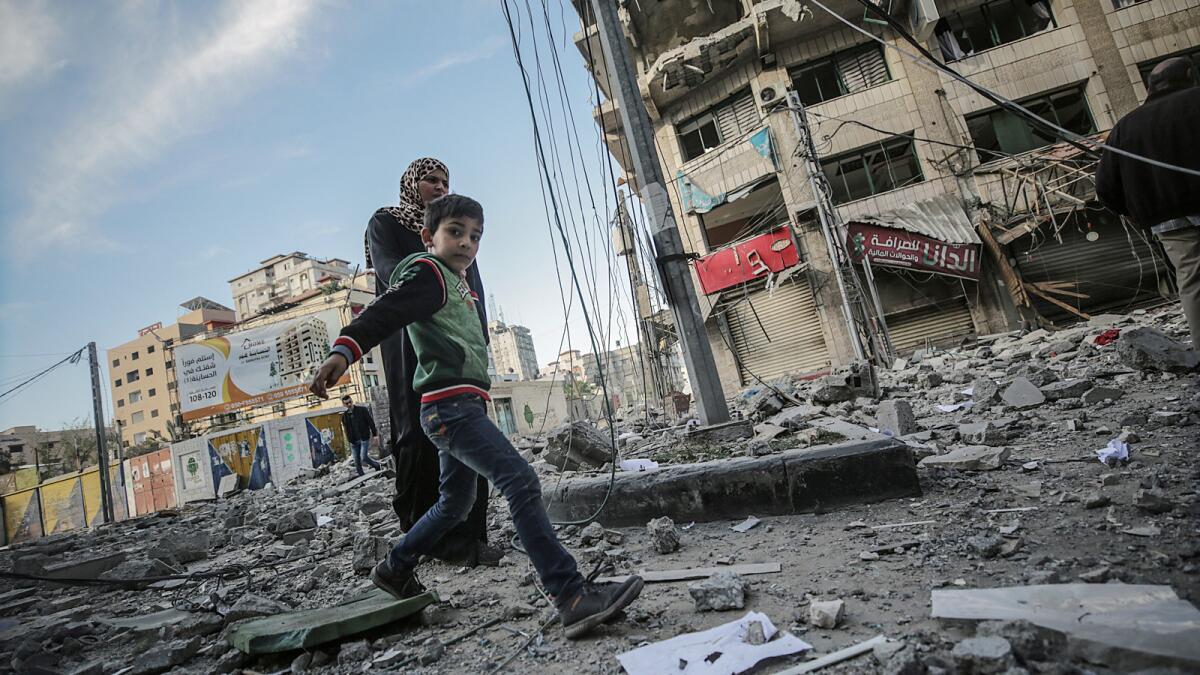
281,278
141,373
973,219
513,356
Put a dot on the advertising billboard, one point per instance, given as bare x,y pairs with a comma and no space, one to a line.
899,248
254,367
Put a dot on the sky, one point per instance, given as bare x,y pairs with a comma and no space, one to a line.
155,150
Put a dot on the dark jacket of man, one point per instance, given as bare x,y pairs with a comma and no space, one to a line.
359,424
1166,128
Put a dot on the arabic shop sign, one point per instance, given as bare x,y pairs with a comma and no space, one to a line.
750,259
254,367
898,248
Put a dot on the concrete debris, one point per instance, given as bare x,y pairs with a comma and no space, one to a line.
722,591
1101,394
983,655
368,551
826,613
250,605
981,433
985,391
591,534
1148,348
969,458
300,519
577,445
163,657
1022,394
664,537
1152,501
896,417
1073,388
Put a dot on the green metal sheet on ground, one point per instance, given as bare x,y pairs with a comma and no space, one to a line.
311,627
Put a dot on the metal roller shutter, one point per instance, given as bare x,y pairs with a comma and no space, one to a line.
737,116
795,344
937,325
1116,271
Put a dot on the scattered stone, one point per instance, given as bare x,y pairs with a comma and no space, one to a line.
1129,436
896,417
986,545
832,389
722,591
1098,575
1152,501
969,458
755,634
983,655
301,663
1066,389
768,432
1165,418
981,433
868,555
163,657
432,654
793,418
1096,500
297,536
591,534
1148,348
179,549
1026,640
250,605
368,551
353,653
577,445
1101,394
664,537
519,610
139,568
985,391
300,519
826,613
757,447
1022,394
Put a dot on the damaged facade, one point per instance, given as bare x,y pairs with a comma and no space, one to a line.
961,240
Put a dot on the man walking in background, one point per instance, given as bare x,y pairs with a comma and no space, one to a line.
360,427
1165,201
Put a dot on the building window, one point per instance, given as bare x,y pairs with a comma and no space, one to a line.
135,396
120,403
723,122
117,383
154,413
1001,131
132,376
839,74
150,349
116,362
137,418
1145,67
991,24
149,372
876,168
139,438
1120,4
133,356
151,392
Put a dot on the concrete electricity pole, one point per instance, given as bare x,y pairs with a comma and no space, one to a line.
672,260
106,505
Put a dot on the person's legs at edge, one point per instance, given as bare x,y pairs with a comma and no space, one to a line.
356,452
366,455
1183,249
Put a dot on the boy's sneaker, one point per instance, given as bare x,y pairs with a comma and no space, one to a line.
596,603
400,585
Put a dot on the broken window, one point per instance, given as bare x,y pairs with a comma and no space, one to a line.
873,169
1118,4
1145,67
991,24
724,122
756,210
839,74
1000,131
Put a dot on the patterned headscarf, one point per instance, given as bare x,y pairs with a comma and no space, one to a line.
410,212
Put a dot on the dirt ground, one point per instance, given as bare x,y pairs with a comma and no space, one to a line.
1078,520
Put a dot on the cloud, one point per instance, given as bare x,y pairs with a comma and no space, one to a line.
486,49
27,34
137,119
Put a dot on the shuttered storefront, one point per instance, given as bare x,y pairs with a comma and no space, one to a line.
940,325
1116,271
792,341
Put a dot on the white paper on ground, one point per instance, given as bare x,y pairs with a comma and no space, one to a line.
639,465
1115,451
726,640
322,521
951,407
746,524
1140,617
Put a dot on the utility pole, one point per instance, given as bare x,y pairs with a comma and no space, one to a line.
106,506
672,259
863,317
647,344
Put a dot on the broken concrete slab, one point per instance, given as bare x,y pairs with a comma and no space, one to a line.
969,458
985,391
792,481
826,613
794,417
1100,394
87,568
981,433
1073,388
307,628
1148,348
896,417
722,591
1022,394
578,445
722,433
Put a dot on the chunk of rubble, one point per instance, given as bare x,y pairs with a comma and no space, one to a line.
981,433
826,613
985,391
1100,394
251,605
664,536
983,655
722,591
1073,388
969,458
1022,394
896,417
578,445
1148,348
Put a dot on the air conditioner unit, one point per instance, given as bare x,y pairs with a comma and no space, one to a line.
772,88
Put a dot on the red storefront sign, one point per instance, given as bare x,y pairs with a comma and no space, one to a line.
898,248
750,259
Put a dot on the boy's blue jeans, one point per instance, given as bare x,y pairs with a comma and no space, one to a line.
470,445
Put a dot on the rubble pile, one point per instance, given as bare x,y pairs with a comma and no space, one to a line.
1045,459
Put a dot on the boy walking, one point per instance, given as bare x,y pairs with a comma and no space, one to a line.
430,297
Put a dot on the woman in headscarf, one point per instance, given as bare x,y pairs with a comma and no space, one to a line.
392,235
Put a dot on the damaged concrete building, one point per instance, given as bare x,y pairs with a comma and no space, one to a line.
914,160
